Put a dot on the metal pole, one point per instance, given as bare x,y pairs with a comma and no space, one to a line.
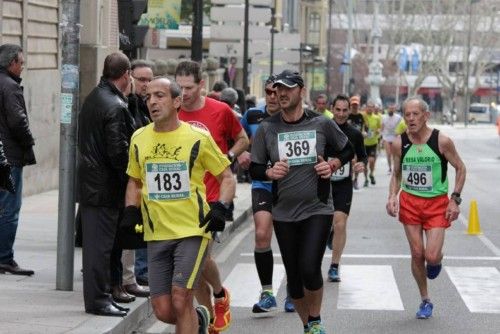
301,63
273,31
329,47
197,31
348,72
70,44
467,68
245,50
498,87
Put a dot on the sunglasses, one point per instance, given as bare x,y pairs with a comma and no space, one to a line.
270,91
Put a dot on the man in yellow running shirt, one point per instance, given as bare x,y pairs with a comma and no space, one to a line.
373,125
167,162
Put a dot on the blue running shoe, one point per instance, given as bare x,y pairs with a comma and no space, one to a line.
203,319
433,270
329,243
316,327
289,307
425,310
333,275
266,306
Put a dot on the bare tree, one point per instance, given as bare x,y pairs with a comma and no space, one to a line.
439,29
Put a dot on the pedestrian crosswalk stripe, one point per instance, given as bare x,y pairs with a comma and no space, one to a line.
244,284
368,287
374,287
395,256
479,287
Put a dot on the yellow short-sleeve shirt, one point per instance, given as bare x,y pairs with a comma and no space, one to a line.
171,166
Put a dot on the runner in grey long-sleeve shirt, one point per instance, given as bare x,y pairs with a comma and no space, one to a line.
291,148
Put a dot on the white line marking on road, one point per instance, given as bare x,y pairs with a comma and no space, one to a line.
244,284
398,256
368,287
230,247
479,287
487,242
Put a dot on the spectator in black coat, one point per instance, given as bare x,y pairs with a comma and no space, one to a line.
104,131
18,145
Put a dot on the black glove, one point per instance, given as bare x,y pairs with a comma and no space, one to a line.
6,180
131,216
216,218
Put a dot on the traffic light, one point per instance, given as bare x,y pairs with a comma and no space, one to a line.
129,14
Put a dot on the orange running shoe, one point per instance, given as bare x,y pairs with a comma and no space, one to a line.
222,312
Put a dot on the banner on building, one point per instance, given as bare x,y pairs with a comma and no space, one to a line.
317,79
162,14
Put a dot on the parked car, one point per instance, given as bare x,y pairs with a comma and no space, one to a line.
481,112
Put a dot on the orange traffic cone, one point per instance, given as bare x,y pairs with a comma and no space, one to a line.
474,227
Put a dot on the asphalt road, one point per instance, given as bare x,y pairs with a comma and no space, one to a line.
377,293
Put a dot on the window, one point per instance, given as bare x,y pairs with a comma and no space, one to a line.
313,33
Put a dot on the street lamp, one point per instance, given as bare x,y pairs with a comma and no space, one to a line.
329,46
273,31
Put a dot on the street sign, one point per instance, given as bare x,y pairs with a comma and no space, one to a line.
229,49
268,3
228,32
237,14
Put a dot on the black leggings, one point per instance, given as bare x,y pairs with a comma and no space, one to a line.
302,246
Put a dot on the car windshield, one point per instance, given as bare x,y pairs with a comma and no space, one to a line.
478,109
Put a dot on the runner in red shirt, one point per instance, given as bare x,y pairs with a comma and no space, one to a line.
218,119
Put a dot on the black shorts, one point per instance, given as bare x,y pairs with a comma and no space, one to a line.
342,195
371,150
262,200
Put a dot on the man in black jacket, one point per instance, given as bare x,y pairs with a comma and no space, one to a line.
103,142
18,145
142,73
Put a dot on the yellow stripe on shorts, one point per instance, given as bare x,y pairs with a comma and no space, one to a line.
199,257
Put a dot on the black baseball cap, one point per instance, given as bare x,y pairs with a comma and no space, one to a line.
289,79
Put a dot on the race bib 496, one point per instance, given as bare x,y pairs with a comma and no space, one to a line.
418,178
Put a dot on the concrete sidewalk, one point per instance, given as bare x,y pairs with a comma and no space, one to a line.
33,305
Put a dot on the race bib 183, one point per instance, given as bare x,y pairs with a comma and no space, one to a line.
298,147
418,178
167,181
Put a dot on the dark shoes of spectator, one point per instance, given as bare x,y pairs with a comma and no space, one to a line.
121,308
109,310
136,290
120,296
13,268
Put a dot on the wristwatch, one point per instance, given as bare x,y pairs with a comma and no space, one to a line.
456,198
231,156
